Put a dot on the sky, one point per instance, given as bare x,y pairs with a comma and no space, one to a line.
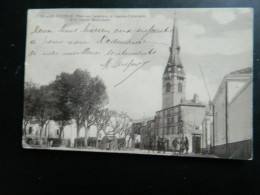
219,40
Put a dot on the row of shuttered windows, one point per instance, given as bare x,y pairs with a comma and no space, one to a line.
169,130
169,121
169,112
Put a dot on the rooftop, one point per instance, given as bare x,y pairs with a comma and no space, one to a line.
244,74
143,120
247,70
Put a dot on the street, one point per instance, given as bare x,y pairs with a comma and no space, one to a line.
128,151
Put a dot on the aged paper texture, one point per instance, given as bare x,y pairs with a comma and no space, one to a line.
174,82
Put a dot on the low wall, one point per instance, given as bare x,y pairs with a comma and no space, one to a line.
79,142
237,150
56,142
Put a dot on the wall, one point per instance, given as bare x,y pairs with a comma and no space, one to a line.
161,120
219,119
240,116
239,124
173,98
192,117
206,132
236,150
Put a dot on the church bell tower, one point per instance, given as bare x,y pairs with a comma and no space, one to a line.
174,75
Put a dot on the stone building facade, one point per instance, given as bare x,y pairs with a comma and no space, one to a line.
179,118
207,130
181,121
145,129
147,132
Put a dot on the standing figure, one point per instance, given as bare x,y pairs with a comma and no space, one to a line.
159,145
163,145
181,146
150,147
154,144
186,144
175,143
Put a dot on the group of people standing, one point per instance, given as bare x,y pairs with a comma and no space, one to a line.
160,145
180,146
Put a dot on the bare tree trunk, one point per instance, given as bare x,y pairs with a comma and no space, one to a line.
78,130
45,129
24,130
128,141
60,134
41,130
97,138
25,123
86,136
61,131
124,144
133,143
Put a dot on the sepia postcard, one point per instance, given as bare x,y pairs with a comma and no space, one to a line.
173,82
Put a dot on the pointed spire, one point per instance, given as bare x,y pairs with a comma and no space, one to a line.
174,59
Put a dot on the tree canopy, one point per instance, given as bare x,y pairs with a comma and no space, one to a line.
70,96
